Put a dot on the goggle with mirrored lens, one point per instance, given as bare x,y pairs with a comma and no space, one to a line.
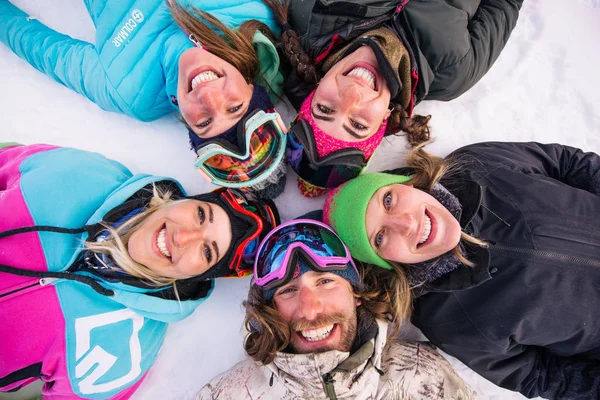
263,146
327,172
314,241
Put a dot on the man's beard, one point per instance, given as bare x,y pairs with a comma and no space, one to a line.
347,324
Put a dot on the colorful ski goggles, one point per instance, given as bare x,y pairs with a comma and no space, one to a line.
259,216
227,165
315,242
326,172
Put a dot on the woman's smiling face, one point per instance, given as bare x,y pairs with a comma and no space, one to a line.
351,101
409,226
182,240
212,94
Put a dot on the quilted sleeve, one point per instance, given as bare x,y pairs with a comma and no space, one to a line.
73,63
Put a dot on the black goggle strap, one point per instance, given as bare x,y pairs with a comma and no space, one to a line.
303,134
238,204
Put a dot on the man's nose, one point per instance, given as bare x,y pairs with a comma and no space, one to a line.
310,304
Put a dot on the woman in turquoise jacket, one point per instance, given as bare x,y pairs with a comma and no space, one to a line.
148,59
95,262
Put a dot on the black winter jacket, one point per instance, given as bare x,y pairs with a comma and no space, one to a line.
453,43
526,317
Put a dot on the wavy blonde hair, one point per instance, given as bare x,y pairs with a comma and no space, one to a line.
115,245
382,293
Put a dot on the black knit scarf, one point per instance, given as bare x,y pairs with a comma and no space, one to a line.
428,271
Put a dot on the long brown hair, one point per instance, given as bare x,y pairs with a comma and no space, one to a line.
416,128
235,47
384,295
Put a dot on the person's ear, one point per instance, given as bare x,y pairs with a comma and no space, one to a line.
358,302
388,112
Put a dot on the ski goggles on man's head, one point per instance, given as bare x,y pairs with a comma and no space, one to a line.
326,172
318,245
261,147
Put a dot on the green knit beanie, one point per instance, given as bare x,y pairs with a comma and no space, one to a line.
345,211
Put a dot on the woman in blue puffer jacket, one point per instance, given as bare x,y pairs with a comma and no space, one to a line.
95,262
149,60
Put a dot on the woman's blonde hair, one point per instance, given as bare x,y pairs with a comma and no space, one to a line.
115,245
384,295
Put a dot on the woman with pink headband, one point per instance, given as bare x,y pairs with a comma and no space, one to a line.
359,68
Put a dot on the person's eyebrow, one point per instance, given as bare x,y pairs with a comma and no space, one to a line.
371,237
353,133
237,115
321,117
216,248
210,213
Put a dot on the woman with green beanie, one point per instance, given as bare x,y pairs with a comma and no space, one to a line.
501,247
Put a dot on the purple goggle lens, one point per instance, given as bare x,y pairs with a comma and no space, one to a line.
316,242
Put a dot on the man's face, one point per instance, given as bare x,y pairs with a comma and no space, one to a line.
321,311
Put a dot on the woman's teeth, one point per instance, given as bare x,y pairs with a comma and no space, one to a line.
363,74
314,335
160,242
205,76
427,229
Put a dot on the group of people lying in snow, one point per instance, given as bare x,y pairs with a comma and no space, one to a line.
492,252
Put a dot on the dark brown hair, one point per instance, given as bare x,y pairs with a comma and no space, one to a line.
416,128
384,295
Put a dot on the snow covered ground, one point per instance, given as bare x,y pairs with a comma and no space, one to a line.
544,87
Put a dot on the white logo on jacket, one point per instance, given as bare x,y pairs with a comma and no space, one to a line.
137,17
100,361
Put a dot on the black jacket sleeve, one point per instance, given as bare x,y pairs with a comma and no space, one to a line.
488,31
567,164
533,371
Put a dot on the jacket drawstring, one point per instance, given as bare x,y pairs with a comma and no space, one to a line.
59,275
41,228
271,380
496,215
47,274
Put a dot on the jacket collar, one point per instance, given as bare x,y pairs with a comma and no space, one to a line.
303,373
470,195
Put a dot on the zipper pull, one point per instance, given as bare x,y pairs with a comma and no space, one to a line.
329,386
195,40
47,281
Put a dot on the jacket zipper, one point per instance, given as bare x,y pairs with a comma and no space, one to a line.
329,388
549,255
41,282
